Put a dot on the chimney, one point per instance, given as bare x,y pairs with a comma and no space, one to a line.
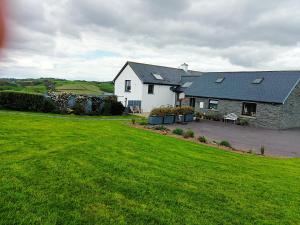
184,67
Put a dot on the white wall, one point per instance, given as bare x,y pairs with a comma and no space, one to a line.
136,86
162,96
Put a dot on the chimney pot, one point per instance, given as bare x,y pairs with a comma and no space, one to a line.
184,67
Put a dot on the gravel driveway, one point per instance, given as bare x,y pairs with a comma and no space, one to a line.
277,142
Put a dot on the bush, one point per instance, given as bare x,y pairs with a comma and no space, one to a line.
117,108
79,108
262,150
215,116
160,127
133,121
225,144
202,139
178,131
199,116
49,106
143,122
26,102
162,111
188,134
243,122
183,110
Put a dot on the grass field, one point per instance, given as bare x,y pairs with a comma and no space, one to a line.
71,170
39,86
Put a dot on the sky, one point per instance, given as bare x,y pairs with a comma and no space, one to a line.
93,39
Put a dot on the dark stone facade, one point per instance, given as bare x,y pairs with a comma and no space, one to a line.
291,110
268,115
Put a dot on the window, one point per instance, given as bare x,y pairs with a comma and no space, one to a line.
220,80
257,81
192,102
213,104
150,88
187,84
201,105
249,109
127,85
157,76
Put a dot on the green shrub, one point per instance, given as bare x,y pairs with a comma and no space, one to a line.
49,106
157,112
188,134
79,108
162,111
200,115
202,139
160,127
178,131
143,122
225,144
117,108
243,122
183,110
133,121
262,150
215,116
26,102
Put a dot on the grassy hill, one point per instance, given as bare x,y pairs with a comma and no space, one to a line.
59,85
80,170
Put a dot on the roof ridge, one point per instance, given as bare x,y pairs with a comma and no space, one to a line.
240,71
169,67
254,71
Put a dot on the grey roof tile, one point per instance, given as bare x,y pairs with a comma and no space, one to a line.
274,88
171,76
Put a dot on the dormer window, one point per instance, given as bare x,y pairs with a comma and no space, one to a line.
187,84
258,81
220,80
157,76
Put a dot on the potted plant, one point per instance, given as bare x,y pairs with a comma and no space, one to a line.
178,115
188,113
156,116
168,115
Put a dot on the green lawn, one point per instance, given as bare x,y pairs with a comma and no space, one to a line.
65,170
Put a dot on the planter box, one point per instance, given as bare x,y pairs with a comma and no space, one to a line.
169,119
189,117
179,119
155,120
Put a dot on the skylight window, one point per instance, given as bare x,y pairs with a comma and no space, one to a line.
187,84
157,76
258,81
220,80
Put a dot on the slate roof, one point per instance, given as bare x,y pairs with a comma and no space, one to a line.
275,87
171,76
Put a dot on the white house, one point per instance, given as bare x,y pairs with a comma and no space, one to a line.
149,86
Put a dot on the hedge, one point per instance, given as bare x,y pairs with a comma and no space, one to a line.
60,103
26,102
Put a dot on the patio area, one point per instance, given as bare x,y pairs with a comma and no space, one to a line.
277,142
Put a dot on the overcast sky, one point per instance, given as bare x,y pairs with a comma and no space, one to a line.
92,39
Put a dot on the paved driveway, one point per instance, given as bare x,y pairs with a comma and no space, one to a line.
277,142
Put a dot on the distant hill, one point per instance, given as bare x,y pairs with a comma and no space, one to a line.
42,85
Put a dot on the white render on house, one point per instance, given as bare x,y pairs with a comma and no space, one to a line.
136,93
162,94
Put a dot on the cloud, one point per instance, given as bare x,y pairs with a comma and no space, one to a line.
92,39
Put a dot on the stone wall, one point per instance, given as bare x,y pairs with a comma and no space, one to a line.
291,110
267,115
